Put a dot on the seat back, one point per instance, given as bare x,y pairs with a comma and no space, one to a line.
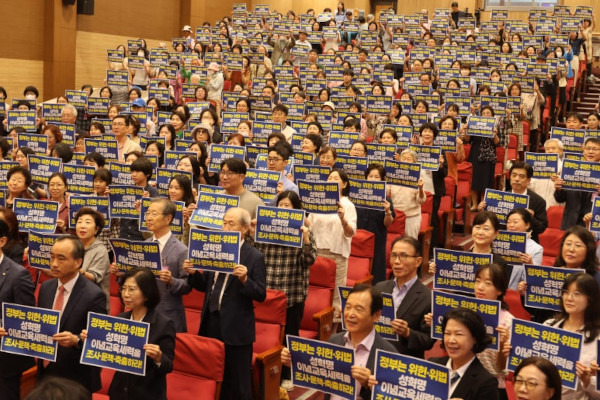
450,184
362,252
320,291
513,300
193,303
555,215
198,367
270,317
398,225
322,273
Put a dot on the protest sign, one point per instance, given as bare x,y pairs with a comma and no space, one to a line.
580,175
322,366
501,203
319,197
263,183
211,208
404,377
572,139
108,148
429,156
367,194
41,168
36,215
544,285
455,270
98,203
40,245
37,143
402,174
561,347
544,164
115,343
279,226
30,331
509,245
80,178
21,118
132,254
122,201
481,126
355,167
489,310
217,251
221,152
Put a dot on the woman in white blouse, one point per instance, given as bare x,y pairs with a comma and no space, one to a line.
333,232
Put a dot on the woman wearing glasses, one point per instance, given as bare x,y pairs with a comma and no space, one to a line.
537,379
140,295
577,250
579,313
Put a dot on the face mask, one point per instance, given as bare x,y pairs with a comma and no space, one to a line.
30,97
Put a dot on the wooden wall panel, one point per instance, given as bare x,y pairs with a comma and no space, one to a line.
301,6
409,7
23,32
150,19
17,74
90,56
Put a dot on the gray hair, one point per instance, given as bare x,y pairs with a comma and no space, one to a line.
412,153
168,207
244,216
559,143
69,107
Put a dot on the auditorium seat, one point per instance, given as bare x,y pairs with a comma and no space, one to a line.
395,230
317,320
198,368
426,230
360,262
266,358
550,239
193,302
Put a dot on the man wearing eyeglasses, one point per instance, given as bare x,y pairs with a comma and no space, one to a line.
231,176
578,204
412,299
120,128
172,281
278,157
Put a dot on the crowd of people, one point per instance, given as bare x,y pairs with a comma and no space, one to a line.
310,75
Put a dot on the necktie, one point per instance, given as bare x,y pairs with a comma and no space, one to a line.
213,304
455,377
60,299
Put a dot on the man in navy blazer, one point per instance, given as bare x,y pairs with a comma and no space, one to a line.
16,286
75,296
412,299
172,281
228,312
363,309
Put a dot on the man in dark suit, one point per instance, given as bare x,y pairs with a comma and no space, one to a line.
520,178
228,312
173,282
16,286
75,296
363,309
577,203
412,299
